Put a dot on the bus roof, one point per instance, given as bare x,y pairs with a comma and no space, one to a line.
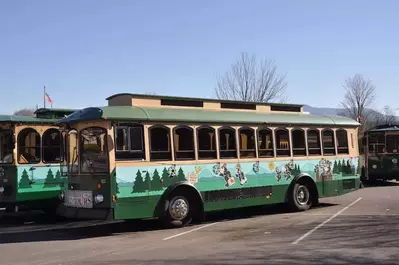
43,115
385,128
132,113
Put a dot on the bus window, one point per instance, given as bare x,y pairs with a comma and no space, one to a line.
265,143
6,147
28,146
282,142
51,146
376,143
314,147
129,142
247,143
227,142
392,145
298,142
160,143
206,143
184,143
93,150
328,142
342,141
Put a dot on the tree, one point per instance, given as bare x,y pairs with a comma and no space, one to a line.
156,181
339,169
180,175
25,183
138,185
250,80
165,178
335,168
358,99
57,179
25,112
147,181
358,167
50,181
387,116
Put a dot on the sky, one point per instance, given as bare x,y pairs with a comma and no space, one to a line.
85,51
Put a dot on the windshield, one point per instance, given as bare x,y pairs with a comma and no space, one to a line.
6,147
376,143
93,150
392,144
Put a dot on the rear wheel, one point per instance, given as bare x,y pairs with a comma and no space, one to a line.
300,197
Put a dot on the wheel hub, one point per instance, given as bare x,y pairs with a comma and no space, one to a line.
178,209
302,195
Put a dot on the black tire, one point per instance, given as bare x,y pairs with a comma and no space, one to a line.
300,197
178,211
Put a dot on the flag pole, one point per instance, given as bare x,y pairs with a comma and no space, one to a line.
44,97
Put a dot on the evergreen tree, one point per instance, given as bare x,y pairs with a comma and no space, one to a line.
349,168
299,169
165,178
339,168
58,181
180,175
147,182
156,181
344,169
116,187
138,185
24,183
335,169
50,180
358,171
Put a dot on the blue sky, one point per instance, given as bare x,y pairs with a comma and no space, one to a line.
84,51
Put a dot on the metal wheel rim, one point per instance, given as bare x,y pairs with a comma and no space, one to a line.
178,208
302,195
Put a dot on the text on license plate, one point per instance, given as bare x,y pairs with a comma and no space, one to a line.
79,199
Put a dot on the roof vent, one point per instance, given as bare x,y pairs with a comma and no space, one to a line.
182,103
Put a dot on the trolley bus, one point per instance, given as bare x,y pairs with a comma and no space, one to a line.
30,157
176,158
379,154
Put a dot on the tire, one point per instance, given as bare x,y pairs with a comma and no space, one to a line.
178,211
300,197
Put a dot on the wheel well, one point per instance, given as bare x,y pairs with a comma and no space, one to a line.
191,193
308,181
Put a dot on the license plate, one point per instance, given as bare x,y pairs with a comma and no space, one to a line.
78,199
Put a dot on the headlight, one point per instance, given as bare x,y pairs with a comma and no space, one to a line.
374,166
1,189
62,195
99,198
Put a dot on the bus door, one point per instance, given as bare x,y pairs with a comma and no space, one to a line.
390,160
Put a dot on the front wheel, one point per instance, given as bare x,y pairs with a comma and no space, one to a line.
300,197
178,212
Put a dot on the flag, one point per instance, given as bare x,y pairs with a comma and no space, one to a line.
49,100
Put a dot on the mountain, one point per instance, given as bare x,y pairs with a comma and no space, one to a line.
322,111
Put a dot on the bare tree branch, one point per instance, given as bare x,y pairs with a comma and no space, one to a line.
249,80
25,112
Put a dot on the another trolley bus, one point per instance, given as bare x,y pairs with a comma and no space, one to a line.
379,159
177,158
30,157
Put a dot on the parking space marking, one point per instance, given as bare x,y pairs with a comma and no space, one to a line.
189,231
325,222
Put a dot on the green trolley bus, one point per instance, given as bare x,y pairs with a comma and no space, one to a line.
379,153
30,157
176,158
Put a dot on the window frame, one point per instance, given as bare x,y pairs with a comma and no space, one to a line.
319,142
128,126
337,142
272,142
36,147
304,141
60,146
289,141
187,127
170,142
214,142
227,127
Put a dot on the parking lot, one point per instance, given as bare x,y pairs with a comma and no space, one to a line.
357,228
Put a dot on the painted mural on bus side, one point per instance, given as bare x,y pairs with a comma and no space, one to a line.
153,180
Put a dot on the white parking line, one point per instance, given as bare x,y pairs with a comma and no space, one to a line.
325,222
189,231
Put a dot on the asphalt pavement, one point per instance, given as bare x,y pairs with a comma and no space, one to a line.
361,227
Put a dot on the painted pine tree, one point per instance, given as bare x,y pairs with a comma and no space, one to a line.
58,181
358,171
147,182
156,181
335,169
50,180
180,175
24,183
138,185
339,168
165,178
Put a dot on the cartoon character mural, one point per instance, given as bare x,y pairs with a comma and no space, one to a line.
285,170
226,174
323,170
256,167
193,176
172,171
240,175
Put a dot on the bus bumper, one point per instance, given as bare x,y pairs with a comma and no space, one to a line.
85,214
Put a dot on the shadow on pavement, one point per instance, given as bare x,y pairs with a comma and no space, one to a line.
380,183
47,230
